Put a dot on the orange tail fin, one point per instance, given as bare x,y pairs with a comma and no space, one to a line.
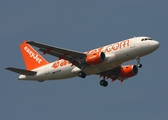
32,58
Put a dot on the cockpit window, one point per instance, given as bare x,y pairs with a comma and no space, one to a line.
144,39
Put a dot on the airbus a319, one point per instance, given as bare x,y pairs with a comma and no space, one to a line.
104,61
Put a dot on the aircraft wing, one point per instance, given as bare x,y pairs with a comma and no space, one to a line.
70,55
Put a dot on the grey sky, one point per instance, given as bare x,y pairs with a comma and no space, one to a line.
83,25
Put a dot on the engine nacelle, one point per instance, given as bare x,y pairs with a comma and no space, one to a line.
95,58
128,71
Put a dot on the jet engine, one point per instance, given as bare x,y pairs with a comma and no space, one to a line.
128,71
95,58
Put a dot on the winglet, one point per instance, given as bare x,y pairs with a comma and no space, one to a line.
32,58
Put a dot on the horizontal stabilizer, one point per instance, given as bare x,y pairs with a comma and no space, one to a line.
21,71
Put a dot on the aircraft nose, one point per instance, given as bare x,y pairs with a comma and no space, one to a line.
155,44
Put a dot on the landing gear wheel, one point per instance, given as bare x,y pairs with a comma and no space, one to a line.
82,74
139,65
103,83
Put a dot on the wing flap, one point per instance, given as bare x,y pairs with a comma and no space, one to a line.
21,71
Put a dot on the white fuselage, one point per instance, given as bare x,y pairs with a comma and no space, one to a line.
116,54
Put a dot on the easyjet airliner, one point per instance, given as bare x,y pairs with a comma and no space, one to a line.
105,61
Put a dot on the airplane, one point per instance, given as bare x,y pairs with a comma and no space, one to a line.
104,61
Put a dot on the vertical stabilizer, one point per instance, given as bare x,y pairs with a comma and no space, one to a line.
31,57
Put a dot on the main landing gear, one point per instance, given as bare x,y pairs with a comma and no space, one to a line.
138,62
82,74
103,83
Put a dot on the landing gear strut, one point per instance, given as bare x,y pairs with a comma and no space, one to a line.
138,62
82,74
103,82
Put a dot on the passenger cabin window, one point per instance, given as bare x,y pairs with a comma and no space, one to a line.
144,39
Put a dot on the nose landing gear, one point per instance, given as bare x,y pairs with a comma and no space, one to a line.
139,65
138,62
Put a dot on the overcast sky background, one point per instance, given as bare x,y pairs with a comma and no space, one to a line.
82,25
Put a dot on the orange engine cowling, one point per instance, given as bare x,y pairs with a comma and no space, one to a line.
95,58
128,71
